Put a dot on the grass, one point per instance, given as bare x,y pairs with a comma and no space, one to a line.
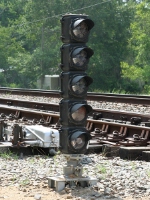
32,161
133,165
14,178
55,158
85,170
8,155
148,173
101,168
25,182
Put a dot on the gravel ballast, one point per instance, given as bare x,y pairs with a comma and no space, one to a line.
117,178
95,104
27,177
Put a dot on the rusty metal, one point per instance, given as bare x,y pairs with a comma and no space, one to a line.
30,104
29,114
107,97
137,139
100,129
119,134
105,115
119,98
102,114
106,126
120,116
17,134
30,92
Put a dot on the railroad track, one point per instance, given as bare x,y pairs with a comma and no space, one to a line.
109,127
99,127
98,113
95,122
91,96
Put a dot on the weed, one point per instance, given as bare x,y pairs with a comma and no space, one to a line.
14,178
85,170
32,160
101,168
25,182
55,158
8,155
148,173
133,165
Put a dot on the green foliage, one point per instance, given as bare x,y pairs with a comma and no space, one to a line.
2,80
101,169
8,155
137,65
25,182
131,72
148,173
146,89
30,32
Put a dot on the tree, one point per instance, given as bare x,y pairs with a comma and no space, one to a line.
139,45
30,41
110,40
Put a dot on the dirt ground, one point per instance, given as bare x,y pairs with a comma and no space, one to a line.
34,193
13,193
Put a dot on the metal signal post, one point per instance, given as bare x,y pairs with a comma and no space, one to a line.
74,110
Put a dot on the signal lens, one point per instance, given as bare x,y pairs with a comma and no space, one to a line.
81,30
80,59
80,86
78,142
79,114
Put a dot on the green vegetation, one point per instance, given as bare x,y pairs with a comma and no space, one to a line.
101,169
8,155
30,42
25,182
148,173
133,165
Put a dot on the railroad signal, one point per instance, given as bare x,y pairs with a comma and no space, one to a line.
75,28
74,139
75,56
78,84
77,112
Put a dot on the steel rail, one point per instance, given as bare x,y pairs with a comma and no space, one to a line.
109,114
26,114
108,97
30,104
101,129
30,92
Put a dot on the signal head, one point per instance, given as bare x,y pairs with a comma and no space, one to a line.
75,28
75,57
